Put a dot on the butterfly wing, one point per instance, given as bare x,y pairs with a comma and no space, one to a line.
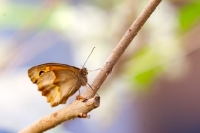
56,81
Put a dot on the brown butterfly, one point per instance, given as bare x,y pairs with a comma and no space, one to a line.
58,81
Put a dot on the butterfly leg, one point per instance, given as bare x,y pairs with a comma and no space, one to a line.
79,97
84,115
92,89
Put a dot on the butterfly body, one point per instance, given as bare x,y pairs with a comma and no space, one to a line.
58,81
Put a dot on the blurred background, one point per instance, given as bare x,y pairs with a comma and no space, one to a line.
154,88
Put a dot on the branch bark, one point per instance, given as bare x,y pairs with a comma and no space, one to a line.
80,108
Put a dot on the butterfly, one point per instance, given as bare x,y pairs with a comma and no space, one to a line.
58,81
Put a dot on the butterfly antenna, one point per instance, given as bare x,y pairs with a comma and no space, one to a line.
94,70
91,88
88,57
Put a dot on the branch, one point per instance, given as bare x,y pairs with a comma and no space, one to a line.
80,108
121,47
77,109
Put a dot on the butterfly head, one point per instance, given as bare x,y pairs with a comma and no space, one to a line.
83,76
84,71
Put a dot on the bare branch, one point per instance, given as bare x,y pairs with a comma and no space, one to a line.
77,109
80,108
121,47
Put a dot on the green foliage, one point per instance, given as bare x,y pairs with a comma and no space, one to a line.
146,67
189,15
12,16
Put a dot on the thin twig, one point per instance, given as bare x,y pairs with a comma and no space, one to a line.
79,108
121,47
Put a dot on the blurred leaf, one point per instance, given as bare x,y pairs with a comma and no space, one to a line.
189,15
144,79
15,15
12,15
146,67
